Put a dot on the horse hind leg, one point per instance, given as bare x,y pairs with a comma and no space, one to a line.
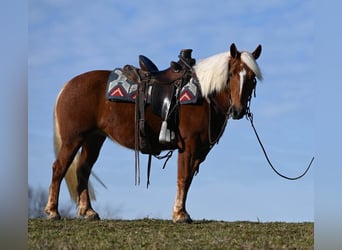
65,156
89,154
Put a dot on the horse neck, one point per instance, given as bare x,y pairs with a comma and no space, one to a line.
220,102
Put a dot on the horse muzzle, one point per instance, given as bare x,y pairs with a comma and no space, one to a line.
237,113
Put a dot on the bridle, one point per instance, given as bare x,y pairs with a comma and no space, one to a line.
227,113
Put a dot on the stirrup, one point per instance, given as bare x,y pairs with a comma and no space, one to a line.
166,135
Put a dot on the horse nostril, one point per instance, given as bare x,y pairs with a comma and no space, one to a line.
234,112
237,113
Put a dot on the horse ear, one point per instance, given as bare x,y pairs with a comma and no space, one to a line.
256,53
233,51
175,66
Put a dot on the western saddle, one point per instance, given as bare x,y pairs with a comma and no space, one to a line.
164,87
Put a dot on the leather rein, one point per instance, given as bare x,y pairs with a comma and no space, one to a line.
249,117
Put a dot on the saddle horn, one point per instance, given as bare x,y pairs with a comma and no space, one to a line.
185,54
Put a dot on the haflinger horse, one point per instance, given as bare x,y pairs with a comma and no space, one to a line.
83,118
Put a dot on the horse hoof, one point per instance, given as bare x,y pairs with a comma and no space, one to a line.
183,221
54,216
182,218
92,216
52,213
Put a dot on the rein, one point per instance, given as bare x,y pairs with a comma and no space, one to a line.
212,142
249,117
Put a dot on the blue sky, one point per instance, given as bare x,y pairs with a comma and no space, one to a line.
234,183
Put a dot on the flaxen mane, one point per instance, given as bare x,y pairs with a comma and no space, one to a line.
212,72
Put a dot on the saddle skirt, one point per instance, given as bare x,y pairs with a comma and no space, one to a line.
120,88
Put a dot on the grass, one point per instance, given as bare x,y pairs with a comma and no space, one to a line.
163,234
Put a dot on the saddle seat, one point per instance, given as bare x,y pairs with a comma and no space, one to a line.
163,77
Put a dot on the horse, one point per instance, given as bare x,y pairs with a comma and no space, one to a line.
84,118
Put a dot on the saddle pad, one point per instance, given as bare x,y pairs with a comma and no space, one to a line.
190,93
119,88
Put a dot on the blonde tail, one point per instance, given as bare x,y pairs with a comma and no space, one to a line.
70,176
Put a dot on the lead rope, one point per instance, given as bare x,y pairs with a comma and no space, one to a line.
249,117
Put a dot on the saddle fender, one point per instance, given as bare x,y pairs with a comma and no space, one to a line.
162,98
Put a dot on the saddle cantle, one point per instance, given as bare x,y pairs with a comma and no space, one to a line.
146,64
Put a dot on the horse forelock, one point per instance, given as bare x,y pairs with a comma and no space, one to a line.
251,63
212,73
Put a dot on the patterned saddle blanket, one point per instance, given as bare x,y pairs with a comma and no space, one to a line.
120,88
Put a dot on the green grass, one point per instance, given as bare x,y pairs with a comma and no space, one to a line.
163,234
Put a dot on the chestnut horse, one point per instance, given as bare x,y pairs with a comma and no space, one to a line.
83,118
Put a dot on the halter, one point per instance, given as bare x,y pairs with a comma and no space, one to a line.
248,110
227,113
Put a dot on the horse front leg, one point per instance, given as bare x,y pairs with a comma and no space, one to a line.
187,166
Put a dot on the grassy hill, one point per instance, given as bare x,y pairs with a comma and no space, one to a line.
163,234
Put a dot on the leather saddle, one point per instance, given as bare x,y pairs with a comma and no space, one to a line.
164,85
